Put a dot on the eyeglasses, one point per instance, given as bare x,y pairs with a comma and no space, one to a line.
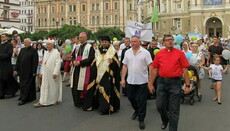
168,39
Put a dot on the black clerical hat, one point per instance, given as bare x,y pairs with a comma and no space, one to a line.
105,38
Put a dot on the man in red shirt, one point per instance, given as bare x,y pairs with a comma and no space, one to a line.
170,63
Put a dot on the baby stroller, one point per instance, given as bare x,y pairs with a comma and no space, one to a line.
193,76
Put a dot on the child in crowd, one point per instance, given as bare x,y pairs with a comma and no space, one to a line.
216,71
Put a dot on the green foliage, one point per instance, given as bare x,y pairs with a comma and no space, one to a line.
111,32
71,31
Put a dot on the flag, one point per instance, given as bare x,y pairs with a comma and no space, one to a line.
155,15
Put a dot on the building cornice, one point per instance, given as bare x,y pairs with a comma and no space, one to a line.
4,3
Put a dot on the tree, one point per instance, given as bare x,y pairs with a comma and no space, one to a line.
111,32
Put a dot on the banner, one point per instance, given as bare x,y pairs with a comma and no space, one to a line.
144,31
212,2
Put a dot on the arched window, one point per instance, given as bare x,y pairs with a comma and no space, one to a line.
70,21
116,20
53,22
98,20
74,20
107,20
39,24
45,23
93,20
62,21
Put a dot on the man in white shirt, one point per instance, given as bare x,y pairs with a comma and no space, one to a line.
136,63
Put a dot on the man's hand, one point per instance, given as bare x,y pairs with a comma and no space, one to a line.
122,83
151,88
76,63
54,76
187,90
15,73
110,60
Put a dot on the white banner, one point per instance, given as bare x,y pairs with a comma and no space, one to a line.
144,31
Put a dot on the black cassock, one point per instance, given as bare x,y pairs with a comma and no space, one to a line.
26,66
78,98
8,85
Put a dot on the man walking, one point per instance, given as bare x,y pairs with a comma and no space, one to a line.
136,63
8,85
170,63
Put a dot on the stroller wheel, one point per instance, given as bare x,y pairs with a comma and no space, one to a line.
191,102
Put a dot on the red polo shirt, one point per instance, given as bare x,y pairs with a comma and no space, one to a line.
170,63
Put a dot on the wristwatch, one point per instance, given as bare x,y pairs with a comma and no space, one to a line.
188,86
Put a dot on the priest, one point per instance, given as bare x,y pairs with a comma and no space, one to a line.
108,77
26,68
8,85
51,88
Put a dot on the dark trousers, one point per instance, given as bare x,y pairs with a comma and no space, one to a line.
137,95
168,100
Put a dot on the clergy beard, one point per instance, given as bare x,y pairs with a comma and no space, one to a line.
103,49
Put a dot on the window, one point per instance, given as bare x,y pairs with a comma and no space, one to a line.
6,1
83,7
74,21
45,22
195,2
97,6
70,8
98,20
107,20
45,10
189,4
38,11
178,6
62,8
70,21
52,10
39,24
189,22
106,6
93,20
116,20
92,8
177,23
165,8
74,8
115,5
53,22
62,21
22,20
130,6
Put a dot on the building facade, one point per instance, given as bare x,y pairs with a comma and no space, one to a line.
92,14
9,13
26,15
209,17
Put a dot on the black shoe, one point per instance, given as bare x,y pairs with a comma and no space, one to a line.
134,116
142,125
164,125
21,103
219,102
2,97
19,98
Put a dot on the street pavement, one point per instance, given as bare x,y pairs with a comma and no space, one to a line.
206,115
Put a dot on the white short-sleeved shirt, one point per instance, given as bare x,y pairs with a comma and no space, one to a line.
137,66
216,71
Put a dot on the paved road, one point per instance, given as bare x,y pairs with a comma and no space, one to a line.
202,116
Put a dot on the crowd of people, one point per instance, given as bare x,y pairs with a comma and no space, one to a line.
95,72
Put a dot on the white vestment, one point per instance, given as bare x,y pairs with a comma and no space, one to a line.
51,89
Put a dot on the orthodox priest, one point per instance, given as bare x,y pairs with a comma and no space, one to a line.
108,77
82,59
26,68
51,88
8,85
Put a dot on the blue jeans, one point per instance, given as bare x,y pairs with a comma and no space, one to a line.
168,100
137,95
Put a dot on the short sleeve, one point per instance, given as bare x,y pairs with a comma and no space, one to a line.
148,59
221,67
125,60
183,61
155,63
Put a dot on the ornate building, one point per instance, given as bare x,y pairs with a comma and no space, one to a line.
193,16
92,14
26,17
9,13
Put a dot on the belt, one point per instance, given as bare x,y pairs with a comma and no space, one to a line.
170,78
